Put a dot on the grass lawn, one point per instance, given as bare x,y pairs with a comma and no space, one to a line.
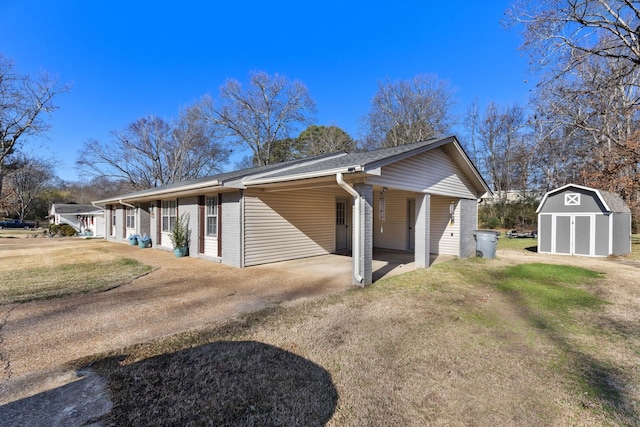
60,270
468,342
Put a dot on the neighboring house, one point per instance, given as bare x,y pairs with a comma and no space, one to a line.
86,219
512,196
578,220
419,197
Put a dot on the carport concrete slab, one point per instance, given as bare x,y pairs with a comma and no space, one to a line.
337,268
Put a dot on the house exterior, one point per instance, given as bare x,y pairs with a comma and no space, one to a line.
419,197
578,220
86,219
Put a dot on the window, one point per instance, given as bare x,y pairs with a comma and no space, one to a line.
341,211
169,214
131,217
572,199
212,215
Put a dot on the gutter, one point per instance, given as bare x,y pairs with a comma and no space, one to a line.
357,273
299,176
126,204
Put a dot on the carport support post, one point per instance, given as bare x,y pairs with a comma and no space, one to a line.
422,231
363,238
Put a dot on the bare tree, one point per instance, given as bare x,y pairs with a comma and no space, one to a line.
407,111
24,102
506,151
152,151
565,33
471,123
269,109
317,140
29,178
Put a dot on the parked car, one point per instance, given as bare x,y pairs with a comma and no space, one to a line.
514,234
16,223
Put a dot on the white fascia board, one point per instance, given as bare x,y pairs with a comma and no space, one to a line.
373,171
151,195
326,172
293,166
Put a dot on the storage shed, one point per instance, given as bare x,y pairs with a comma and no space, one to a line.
578,220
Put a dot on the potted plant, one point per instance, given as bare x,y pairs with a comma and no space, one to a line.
144,241
133,239
180,235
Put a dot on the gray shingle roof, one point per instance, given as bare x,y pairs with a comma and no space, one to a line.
219,178
318,165
362,158
73,208
615,202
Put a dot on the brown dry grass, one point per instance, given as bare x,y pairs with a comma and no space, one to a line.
59,268
443,346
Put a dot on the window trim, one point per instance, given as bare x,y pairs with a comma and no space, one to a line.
170,213
211,215
130,218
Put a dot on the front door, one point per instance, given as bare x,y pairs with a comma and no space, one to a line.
411,224
342,225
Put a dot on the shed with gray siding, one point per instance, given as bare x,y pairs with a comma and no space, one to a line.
578,220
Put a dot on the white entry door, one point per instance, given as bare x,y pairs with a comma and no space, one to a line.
342,225
411,224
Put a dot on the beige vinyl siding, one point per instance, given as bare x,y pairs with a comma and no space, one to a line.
432,172
210,246
289,224
442,242
392,232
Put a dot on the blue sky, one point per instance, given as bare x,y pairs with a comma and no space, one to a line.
128,59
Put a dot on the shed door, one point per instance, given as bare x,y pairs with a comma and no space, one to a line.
563,235
582,235
573,234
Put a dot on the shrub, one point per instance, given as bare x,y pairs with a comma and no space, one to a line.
54,228
67,230
521,215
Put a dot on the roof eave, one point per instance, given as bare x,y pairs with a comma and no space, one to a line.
297,177
153,195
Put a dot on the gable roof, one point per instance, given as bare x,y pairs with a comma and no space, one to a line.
367,162
612,202
76,209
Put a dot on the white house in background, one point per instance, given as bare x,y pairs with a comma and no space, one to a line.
420,198
86,219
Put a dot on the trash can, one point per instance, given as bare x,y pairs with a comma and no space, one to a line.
486,242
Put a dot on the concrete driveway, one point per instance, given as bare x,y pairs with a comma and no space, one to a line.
38,339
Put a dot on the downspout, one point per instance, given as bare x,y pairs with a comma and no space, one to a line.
125,204
356,247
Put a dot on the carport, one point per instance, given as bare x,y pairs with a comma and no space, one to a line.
420,198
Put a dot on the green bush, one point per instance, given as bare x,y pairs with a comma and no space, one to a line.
67,230
64,229
514,215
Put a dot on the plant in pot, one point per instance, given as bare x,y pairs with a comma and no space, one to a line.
133,239
144,241
180,235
